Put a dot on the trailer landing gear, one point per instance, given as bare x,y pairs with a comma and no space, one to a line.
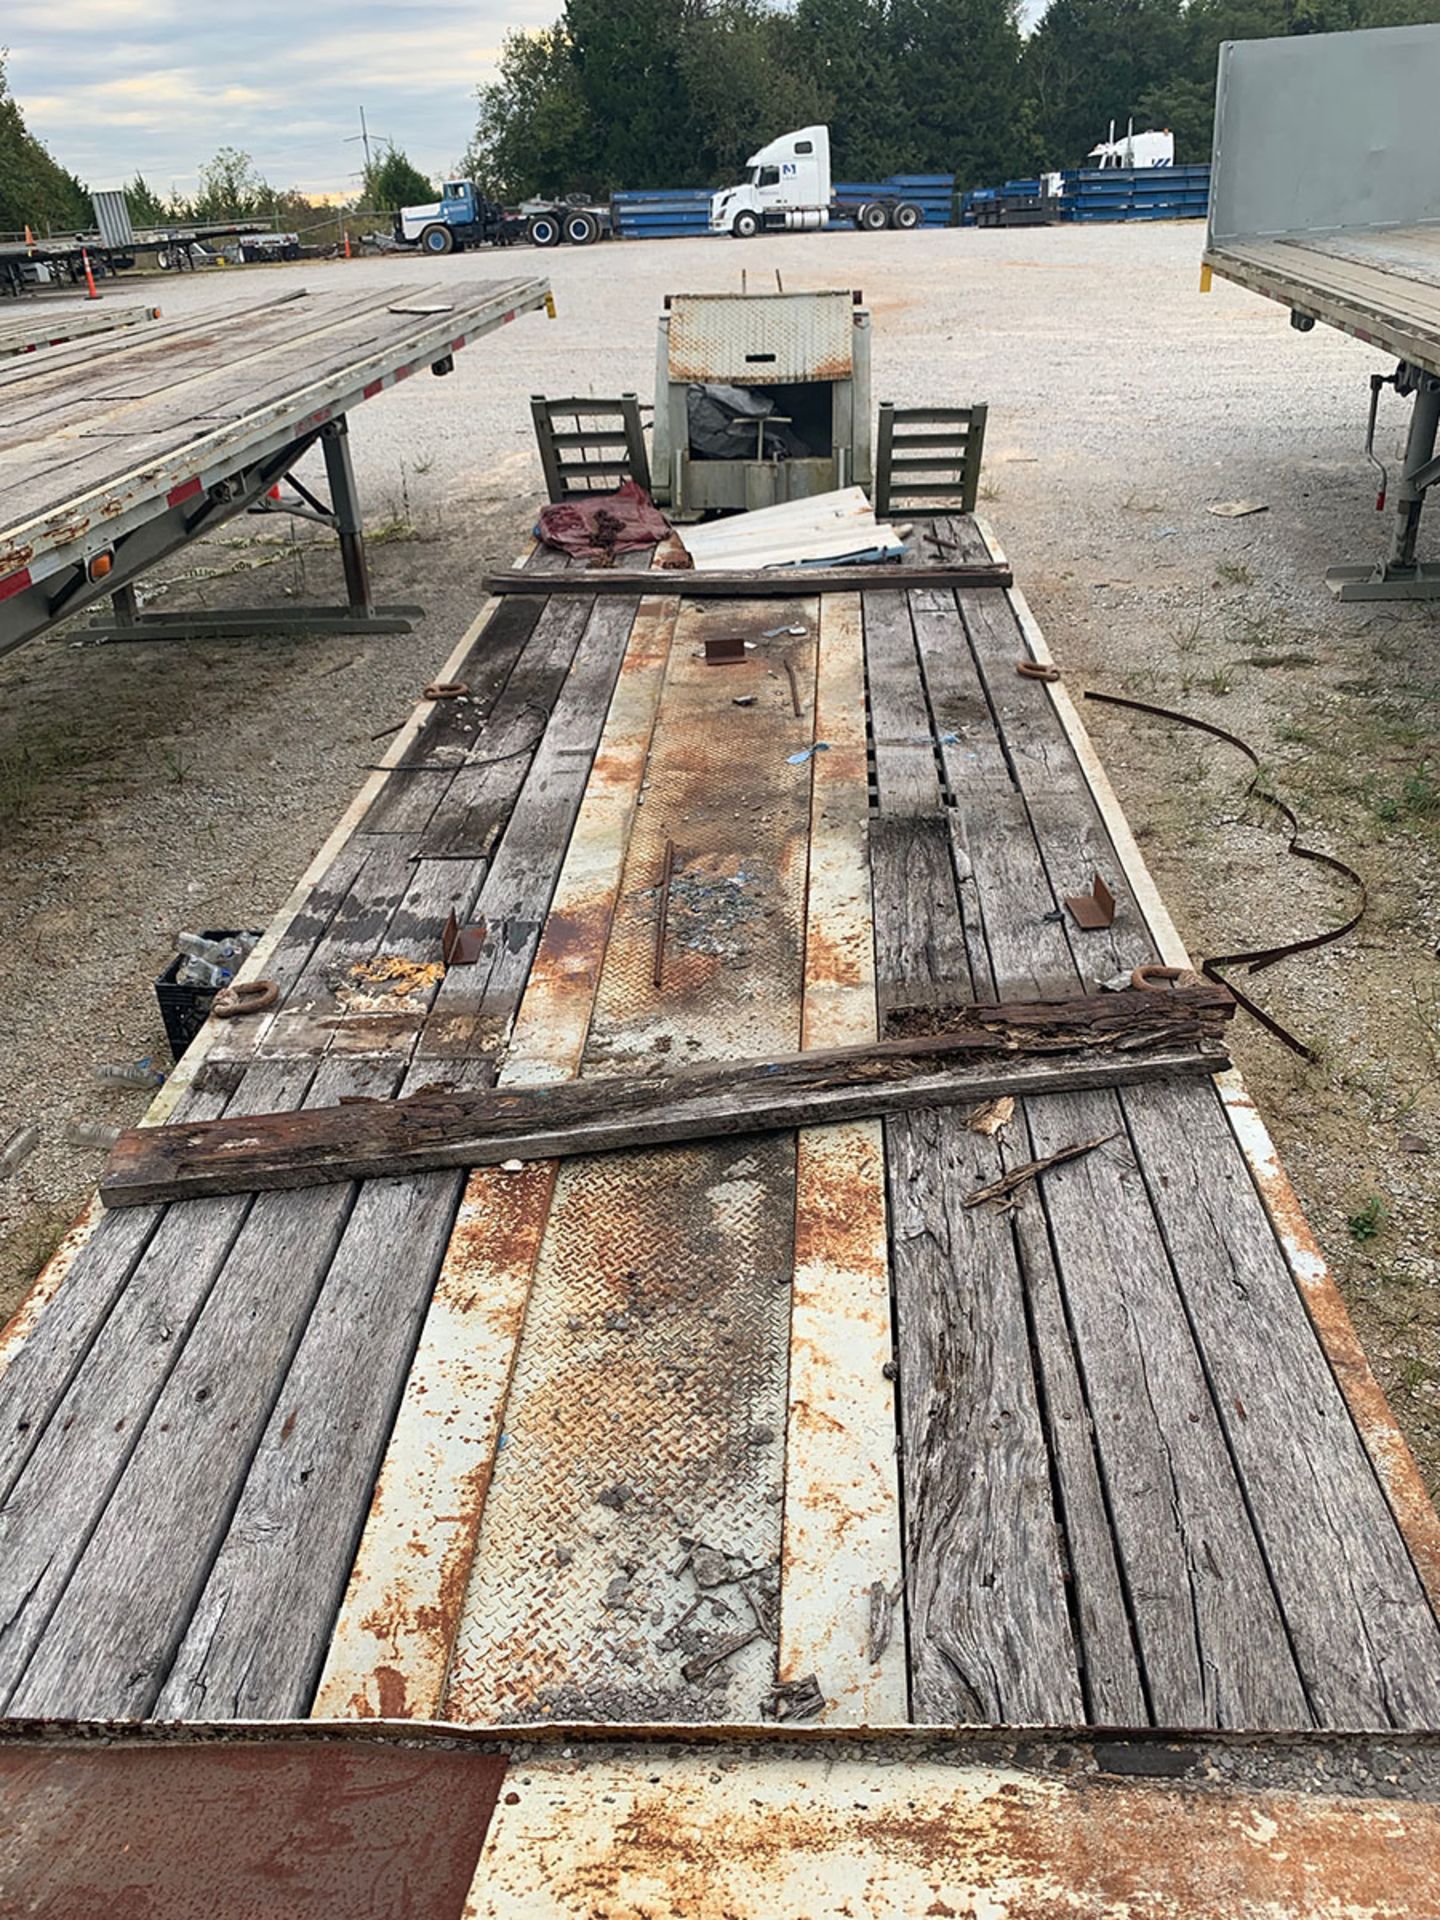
1400,576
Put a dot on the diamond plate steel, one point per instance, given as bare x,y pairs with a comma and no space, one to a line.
643,1448
633,1524
761,337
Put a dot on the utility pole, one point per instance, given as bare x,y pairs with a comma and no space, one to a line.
363,139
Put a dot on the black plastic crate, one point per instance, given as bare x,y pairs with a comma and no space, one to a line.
184,1008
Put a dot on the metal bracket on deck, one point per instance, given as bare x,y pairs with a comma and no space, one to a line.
1400,576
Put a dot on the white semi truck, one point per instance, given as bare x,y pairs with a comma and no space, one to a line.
787,189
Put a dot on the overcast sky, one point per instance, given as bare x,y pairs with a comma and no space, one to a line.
119,87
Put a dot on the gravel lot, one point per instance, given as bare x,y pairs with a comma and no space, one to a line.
147,788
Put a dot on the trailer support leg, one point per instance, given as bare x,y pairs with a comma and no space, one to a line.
1400,576
345,509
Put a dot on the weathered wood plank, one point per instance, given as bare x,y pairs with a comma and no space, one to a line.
989,1633
112,1638
437,1129
50,1510
1210,1632
907,776
1330,1544
767,584
310,1487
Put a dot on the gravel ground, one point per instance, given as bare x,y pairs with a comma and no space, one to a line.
147,788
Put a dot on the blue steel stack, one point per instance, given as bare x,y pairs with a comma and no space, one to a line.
1136,193
669,213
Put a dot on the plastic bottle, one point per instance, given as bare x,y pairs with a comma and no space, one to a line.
216,953
201,973
18,1149
90,1133
142,1073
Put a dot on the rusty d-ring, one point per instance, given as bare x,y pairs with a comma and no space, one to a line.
1036,670
250,996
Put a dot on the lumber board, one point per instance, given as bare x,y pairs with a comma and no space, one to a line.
765,584
1330,1544
50,1510
436,1129
989,1635
113,1636
1212,1640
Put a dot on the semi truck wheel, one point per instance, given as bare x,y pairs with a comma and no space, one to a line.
581,229
745,225
544,230
907,216
437,240
871,217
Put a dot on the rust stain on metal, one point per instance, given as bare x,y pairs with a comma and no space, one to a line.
271,1831
462,946
647,1414
632,1837
724,649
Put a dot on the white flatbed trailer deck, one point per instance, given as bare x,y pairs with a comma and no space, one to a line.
1325,196
116,452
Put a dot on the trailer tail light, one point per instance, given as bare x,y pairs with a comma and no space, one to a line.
100,566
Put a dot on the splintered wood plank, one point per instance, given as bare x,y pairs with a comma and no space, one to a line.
281,1571
112,1638
392,1643
1363,1632
990,1637
975,1052
636,1501
51,1508
1211,1636
840,1573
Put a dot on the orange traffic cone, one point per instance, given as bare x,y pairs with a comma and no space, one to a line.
89,276
347,243
29,236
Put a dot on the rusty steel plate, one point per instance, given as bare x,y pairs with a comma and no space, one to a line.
632,1834
762,339
632,1527
269,1831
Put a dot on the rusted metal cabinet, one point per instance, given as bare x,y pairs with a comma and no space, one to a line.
808,353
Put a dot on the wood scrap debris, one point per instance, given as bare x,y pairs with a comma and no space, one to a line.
992,1053
992,1116
1002,1191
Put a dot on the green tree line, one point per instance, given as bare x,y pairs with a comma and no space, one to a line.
672,93
35,190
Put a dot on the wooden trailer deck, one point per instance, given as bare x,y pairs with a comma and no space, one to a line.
761,1425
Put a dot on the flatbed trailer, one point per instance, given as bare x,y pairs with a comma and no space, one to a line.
57,321
750,1526
115,453
1323,198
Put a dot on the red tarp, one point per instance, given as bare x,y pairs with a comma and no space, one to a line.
607,524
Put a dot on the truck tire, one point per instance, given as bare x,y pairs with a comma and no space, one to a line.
437,240
544,230
872,217
745,225
907,216
581,229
